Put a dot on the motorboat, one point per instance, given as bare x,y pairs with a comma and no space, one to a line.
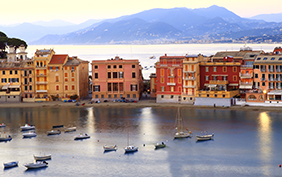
11,164
110,148
5,137
160,145
29,134
81,136
70,129
2,125
42,157
180,130
27,127
204,137
37,164
53,132
130,149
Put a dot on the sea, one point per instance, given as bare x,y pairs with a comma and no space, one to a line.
245,143
144,52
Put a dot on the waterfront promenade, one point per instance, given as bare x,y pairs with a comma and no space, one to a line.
139,104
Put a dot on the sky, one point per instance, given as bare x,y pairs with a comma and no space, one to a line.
78,11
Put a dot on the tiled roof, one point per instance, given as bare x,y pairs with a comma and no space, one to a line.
72,62
272,59
58,59
172,57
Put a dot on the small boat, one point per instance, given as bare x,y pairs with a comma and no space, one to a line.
42,157
5,137
160,145
204,137
2,125
81,136
53,132
130,149
38,164
180,132
110,148
11,164
27,127
29,134
58,126
152,57
70,129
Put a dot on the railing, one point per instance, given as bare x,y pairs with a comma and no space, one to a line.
246,83
262,79
189,78
41,82
221,82
246,75
189,71
171,83
263,70
189,86
247,66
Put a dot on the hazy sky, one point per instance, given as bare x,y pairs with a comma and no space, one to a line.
19,11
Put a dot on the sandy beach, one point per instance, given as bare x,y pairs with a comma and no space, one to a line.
141,103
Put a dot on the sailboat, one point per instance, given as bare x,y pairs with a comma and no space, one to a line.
130,148
180,131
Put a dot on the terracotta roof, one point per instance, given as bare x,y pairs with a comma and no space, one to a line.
58,59
172,57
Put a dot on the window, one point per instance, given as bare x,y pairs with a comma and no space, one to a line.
66,74
272,58
72,87
207,69
128,96
224,69
114,74
225,78
214,69
263,84
258,58
115,87
57,68
16,72
134,95
115,96
25,73
162,72
115,66
109,87
234,69
110,96
25,80
96,75
109,75
120,74
96,88
133,87
256,75
133,75
162,96
57,87
102,96
162,89
234,78
171,96
162,80
208,95
30,72
265,58
207,78
96,96
109,66
30,88
96,66
11,72
25,87
223,96
280,59
57,78
119,66
133,66
66,87
214,78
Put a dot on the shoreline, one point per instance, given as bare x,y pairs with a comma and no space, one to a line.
139,104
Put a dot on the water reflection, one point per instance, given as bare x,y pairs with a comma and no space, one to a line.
265,140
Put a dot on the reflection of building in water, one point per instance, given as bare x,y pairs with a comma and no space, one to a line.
265,141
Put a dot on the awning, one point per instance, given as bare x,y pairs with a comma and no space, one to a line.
245,87
5,87
233,84
212,85
14,86
275,92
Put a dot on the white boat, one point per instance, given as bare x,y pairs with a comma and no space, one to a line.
70,129
5,137
180,128
27,127
11,164
204,137
81,136
29,134
131,149
110,148
160,145
2,125
53,132
42,157
152,57
38,164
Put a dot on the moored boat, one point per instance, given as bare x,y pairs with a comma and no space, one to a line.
81,136
110,148
70,129
38,164
204,137
160,145
42,157
2,125
5,137
27,127
11,164
29,134
53,132
180,128
130,149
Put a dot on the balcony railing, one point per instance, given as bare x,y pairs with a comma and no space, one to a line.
189,86
247,66
262,79
263,70
171,83
246,83
189,71
246,75
41,82
189,78
219,82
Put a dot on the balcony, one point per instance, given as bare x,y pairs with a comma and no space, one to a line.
246,75
247,66
41,91
189,78
262,79
262,70
189,71
171,76
270,70
218,82
189,86
41,75
246,83
41,82
271,79
278,70
171,84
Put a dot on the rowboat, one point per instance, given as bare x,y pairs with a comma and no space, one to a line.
11,164
38,164
204,137
70,129
110,148
53,132
29,134
27,127
81,136
42,157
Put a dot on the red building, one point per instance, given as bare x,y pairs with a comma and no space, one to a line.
169,72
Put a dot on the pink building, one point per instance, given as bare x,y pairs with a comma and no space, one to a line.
116,78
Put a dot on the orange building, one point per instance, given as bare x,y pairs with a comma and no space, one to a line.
153,85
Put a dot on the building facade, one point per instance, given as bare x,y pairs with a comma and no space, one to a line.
116,79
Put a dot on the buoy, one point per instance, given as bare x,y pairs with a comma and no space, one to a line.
143,144
280,165
98,140
100,131
72,156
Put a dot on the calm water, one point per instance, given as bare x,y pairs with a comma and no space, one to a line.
245,143
143,52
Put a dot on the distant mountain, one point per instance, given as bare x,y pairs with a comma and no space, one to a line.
56,23
269,17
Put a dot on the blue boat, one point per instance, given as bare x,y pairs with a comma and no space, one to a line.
11,164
